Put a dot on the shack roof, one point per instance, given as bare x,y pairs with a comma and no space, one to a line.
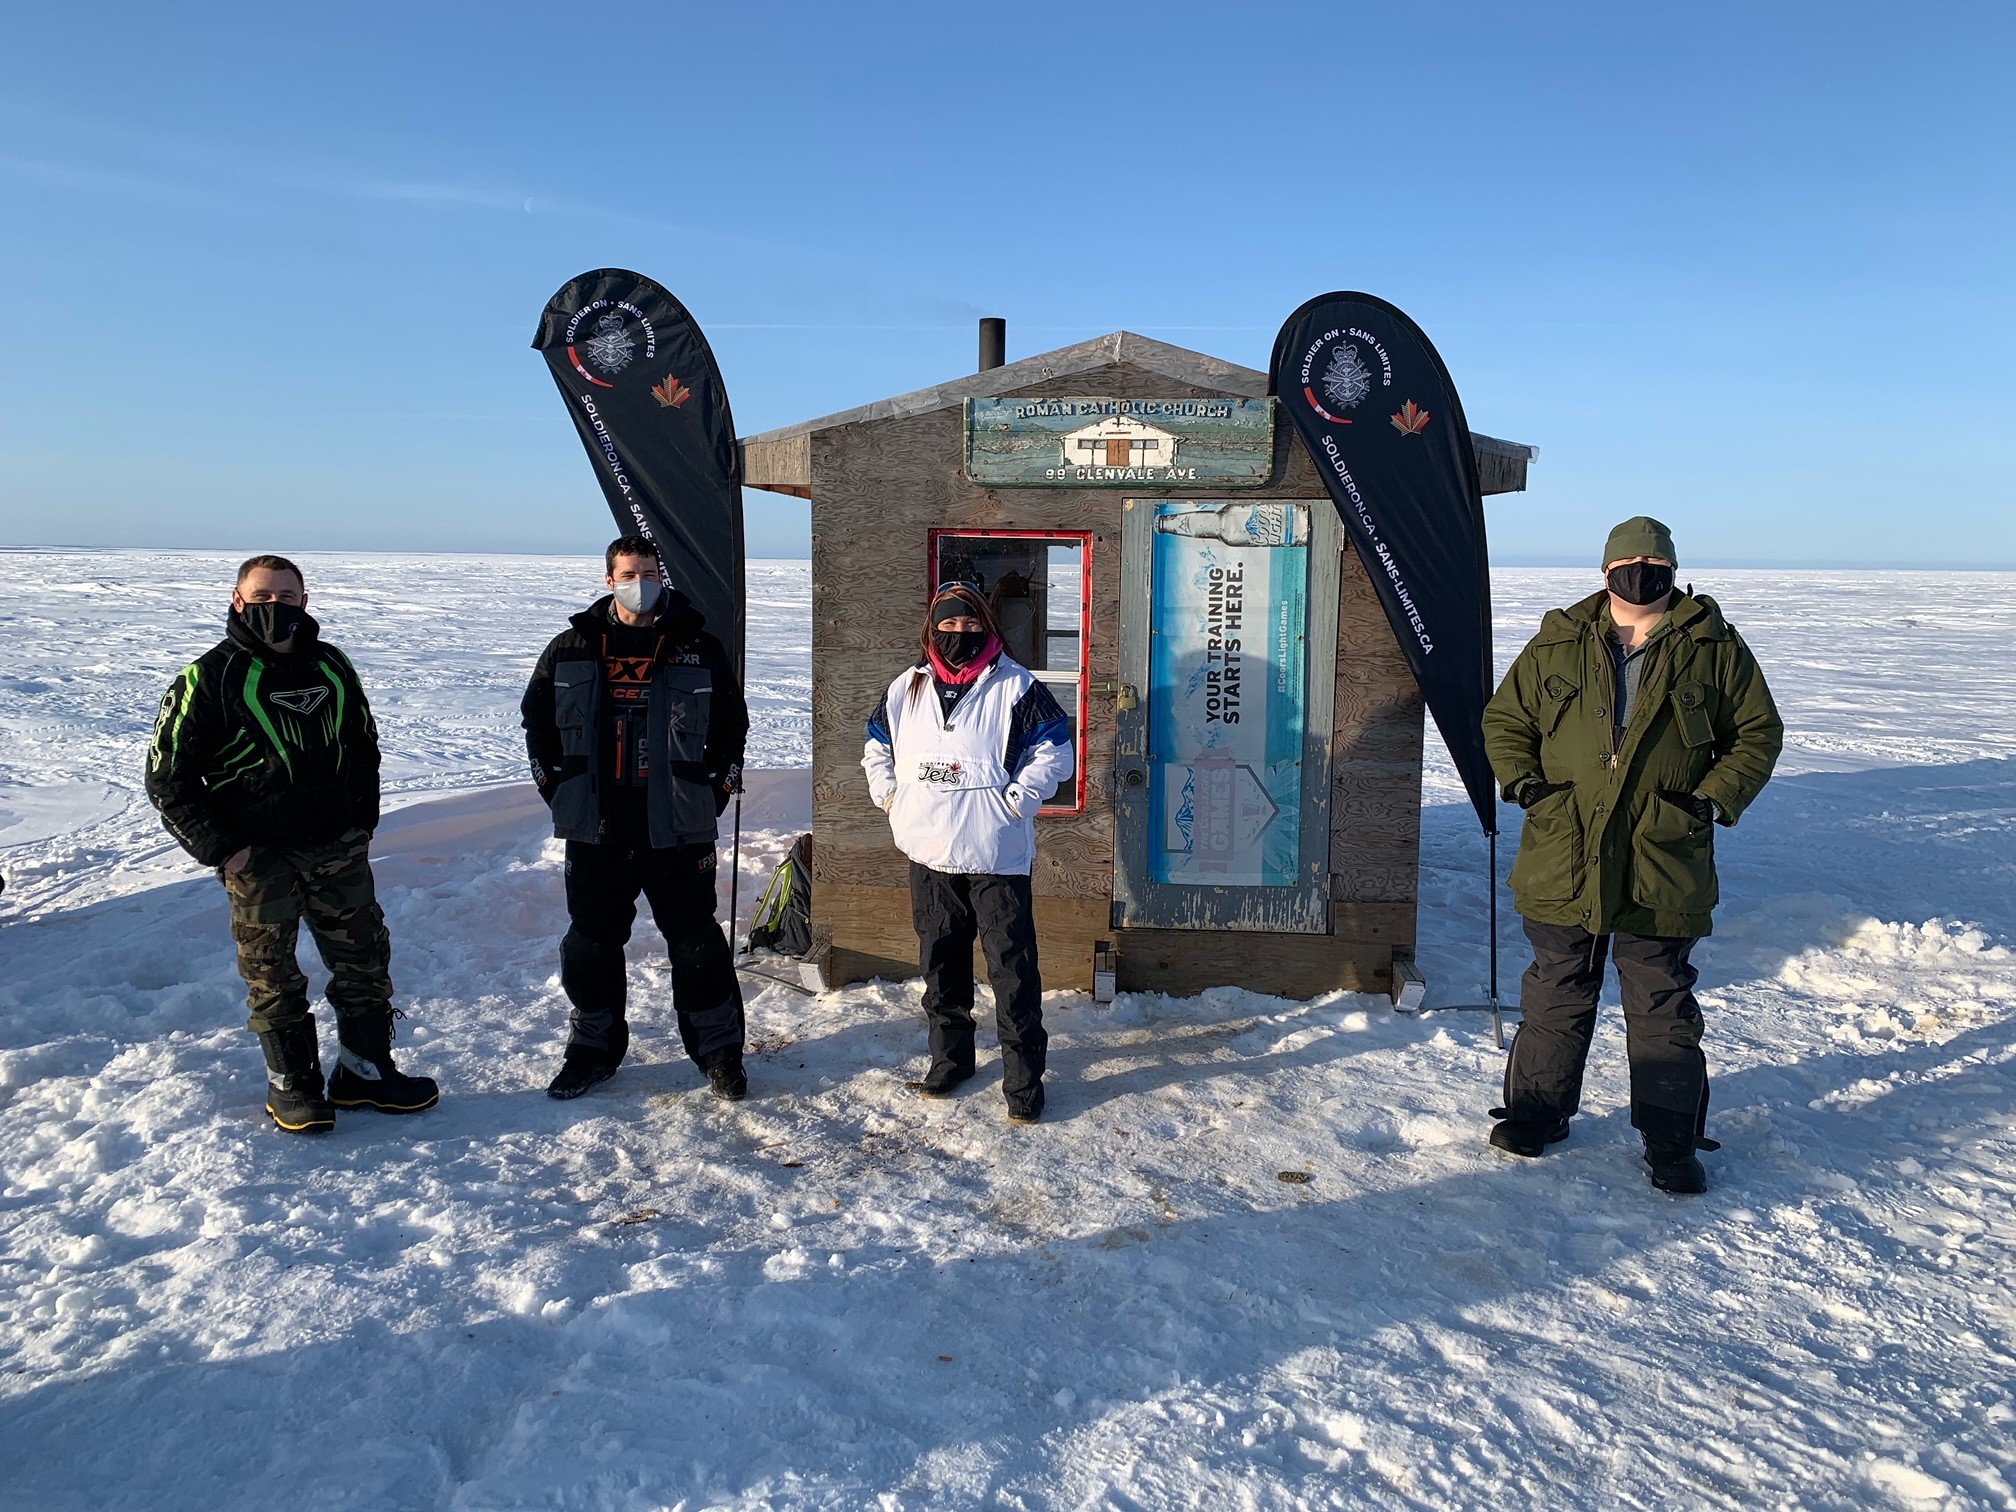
781,460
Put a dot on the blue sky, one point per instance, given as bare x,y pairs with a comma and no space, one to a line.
271,272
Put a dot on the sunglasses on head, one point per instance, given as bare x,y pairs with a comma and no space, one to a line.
966,583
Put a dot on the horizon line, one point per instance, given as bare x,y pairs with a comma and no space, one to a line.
1516,560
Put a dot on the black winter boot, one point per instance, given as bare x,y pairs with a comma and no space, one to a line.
1518,1136
1026,1107
581,1070
1675,1167
366,1076
725,1076
942,1078
294,1095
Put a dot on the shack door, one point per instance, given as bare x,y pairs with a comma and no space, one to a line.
1228,637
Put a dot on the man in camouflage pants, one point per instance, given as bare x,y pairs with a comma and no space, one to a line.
264,765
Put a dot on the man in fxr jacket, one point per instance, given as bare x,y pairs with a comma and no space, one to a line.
1632,725
264,765
634,722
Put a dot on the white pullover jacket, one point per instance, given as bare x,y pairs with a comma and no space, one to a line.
962,790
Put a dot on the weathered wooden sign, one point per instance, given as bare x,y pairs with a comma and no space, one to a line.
1120,443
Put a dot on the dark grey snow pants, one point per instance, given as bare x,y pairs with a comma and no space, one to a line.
603,882
1662,1030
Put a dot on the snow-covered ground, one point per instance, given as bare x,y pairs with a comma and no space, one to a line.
835,1295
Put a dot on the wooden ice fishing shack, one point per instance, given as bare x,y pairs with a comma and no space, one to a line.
1160,550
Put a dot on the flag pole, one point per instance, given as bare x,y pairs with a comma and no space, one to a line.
1491,1003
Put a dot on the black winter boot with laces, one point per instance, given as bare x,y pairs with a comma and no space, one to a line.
366,1075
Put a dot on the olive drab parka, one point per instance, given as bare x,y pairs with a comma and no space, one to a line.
1609,853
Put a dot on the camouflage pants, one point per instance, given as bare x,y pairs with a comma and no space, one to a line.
331,887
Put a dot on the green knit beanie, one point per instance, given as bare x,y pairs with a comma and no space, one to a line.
1641,535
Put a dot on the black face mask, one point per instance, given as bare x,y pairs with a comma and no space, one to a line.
958,647
274,622
1640,582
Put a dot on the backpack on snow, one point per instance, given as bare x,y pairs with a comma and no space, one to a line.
783,921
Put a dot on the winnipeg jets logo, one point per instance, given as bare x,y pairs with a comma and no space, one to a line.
300,700
610,348
1346,380
942,773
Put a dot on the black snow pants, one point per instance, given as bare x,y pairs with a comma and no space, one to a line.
602,886
1662,1030
950,912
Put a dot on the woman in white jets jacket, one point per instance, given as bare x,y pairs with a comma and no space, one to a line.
962,751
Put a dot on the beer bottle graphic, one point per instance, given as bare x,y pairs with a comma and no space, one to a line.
1242,524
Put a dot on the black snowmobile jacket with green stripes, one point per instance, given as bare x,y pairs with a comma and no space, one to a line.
257,747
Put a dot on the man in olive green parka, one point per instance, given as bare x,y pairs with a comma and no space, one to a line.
1632,725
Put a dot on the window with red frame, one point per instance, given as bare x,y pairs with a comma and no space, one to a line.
1039,583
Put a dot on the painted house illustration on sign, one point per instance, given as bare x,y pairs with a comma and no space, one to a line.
1120,441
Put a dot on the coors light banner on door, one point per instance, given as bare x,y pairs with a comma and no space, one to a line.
1371,399
648,403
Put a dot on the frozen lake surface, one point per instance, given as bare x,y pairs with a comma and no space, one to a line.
835,1295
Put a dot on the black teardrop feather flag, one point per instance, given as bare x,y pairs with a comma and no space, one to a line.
646,396
1370,398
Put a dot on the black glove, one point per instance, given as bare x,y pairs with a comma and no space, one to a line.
1533,789
1701,808
546,781
725,785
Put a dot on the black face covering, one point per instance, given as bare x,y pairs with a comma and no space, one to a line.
958,647
1640,582
274,622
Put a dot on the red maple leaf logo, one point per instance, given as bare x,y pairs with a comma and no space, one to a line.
671,393
1411,420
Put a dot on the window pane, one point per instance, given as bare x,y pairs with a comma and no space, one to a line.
1063,630
1034,586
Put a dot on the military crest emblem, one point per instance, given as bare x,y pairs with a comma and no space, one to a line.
610,348
1347,380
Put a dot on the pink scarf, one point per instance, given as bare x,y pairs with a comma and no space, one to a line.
958,677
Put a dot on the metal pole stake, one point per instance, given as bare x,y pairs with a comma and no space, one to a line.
735,879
